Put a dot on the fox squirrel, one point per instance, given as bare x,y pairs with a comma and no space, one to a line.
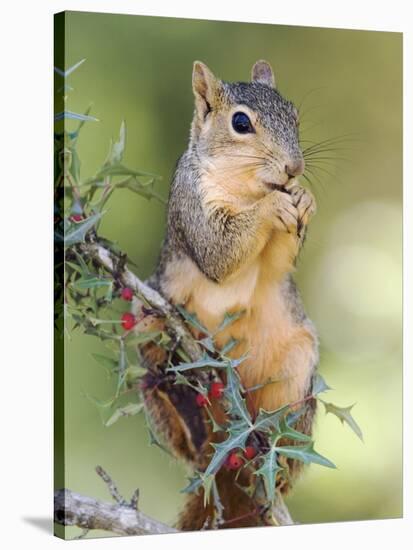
237,218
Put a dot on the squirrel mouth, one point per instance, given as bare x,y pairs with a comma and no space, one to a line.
277,187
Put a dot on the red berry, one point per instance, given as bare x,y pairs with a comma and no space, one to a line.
234,461
201,400
216,390
76,218
127,294
128,321
250,452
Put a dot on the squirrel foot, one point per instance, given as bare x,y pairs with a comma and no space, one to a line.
305,204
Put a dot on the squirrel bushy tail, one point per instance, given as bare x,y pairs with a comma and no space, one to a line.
239,509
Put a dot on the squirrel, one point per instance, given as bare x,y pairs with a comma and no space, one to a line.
237,219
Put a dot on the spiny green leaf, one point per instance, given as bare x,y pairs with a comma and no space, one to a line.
102,334
82,122
95,322
270,420
181,379
74,116
269,470
207,482
182,355
286,431
305,453
229,346
293,417
131,409
236,438
229,318
122,365
82,264
233,394
117,148
194,484
70,70
344,414
74,266
136,339
164,339
266,383
319,385
234,363
99,403
208,344
144,189
77,233
192,319
145,180
75,171
109,292
118,170
91,282
201,363
135,371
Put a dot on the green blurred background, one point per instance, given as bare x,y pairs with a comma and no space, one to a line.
349,83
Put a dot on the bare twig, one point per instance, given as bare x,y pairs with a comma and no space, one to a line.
71,508
113,490
124,518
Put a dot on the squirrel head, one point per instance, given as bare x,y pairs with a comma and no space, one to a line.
245,133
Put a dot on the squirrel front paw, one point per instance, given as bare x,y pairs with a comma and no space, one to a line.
305,204
286,213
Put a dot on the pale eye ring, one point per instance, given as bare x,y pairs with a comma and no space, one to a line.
241,123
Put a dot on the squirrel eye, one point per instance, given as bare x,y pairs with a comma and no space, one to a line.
241,123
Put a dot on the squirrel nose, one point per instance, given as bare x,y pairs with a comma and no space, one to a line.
295,168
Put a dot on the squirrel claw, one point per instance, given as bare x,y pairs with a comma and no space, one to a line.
305,204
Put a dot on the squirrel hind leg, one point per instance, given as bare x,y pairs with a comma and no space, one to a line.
175,416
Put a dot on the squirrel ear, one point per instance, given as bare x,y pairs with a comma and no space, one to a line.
262,72
204,85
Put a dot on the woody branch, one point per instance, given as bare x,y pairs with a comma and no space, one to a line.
123,517
115,265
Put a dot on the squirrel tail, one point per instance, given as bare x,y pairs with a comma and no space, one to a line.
238,508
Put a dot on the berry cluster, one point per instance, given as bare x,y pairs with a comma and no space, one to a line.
236,459
216,391
128,320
